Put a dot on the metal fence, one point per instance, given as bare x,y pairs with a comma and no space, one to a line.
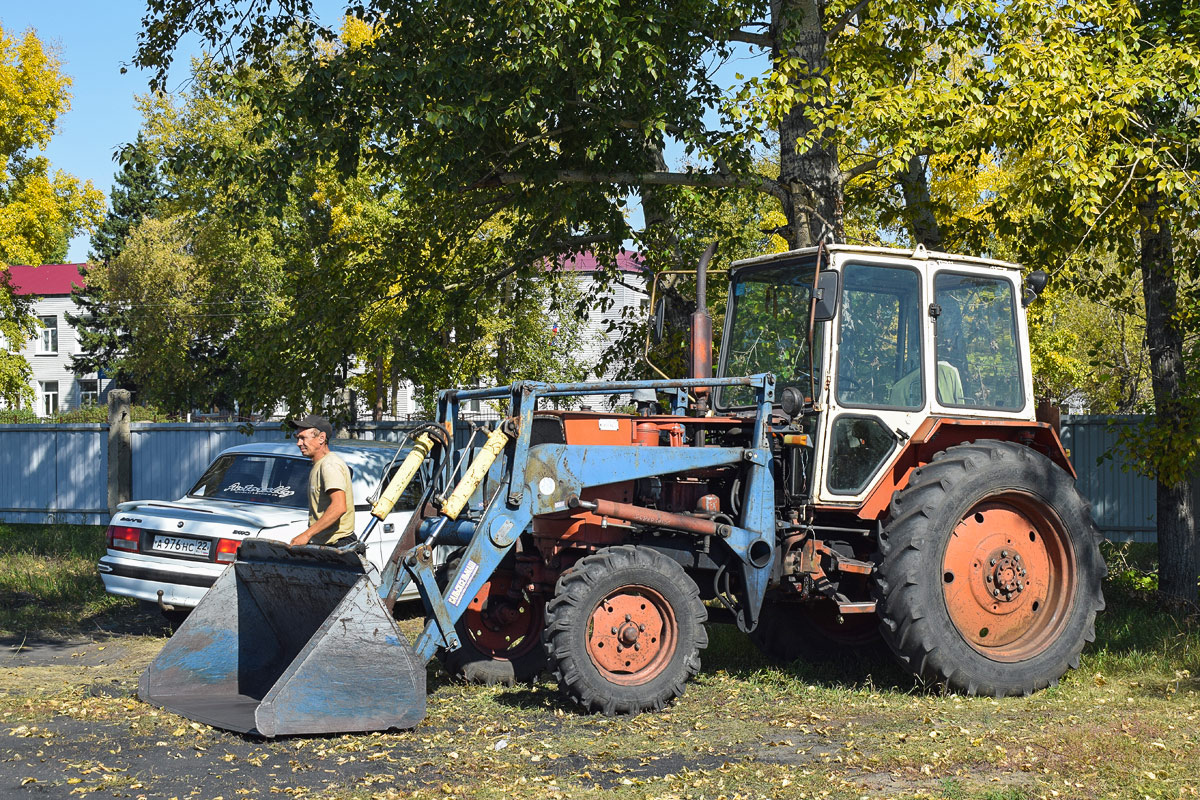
1123,502
58,473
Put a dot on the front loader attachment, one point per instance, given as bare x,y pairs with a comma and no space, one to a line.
290,641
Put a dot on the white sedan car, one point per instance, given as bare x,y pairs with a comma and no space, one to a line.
169,553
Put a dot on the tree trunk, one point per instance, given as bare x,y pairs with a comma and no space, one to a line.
377,407
918,207
1178,554
810,172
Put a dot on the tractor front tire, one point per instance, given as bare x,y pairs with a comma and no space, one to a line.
625,630
990,574
500,633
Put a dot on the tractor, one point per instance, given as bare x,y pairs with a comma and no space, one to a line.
866,467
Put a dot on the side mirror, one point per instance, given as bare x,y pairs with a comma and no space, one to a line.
1035,282
660,316
825,296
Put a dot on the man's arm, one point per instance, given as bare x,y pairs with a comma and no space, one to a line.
337,507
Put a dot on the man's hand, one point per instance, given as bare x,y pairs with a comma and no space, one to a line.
302,539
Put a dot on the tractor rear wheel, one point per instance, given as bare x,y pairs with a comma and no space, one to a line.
990,577
625,630
500,633
811,632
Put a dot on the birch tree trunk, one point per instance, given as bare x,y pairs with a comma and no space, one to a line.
810,174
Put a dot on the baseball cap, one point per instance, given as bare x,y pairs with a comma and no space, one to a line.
312,421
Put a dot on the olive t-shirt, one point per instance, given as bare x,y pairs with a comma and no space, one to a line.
330,472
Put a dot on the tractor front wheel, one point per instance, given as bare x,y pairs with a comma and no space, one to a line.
500,633
990,578
625,630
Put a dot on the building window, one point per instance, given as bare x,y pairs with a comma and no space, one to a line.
48,336
49,397
89,391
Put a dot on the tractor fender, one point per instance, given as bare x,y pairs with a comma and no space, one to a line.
938,433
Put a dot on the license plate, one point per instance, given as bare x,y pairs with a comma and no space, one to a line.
182,546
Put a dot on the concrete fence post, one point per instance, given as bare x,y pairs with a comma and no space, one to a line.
120,450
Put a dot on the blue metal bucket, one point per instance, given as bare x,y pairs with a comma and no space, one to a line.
290,641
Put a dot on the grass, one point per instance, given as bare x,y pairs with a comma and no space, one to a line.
48,578
1124,725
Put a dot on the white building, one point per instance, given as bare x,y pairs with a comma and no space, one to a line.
55,385
628,291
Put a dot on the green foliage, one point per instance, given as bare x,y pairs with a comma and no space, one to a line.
48,577
103,327
86,414
39,211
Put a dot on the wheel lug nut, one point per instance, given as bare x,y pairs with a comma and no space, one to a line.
620,648
1004,554
637,646
641,628
995,592
989,578
992,562
628,618
614,631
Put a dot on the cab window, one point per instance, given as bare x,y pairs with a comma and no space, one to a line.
976,334
879,352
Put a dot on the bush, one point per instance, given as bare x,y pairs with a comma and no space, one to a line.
87,414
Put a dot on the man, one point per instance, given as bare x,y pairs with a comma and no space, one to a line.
330,497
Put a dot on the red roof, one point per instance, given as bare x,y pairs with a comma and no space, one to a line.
586,262
48,279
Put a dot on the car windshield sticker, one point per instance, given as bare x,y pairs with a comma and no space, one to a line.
282,490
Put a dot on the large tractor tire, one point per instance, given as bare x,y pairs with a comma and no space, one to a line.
500,634
625,630
811,632
990,577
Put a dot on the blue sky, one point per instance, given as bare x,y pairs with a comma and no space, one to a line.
94,38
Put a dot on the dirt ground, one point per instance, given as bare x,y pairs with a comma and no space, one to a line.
72,726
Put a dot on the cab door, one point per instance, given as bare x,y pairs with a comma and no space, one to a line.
879,382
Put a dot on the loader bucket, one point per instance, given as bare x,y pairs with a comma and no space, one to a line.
290,641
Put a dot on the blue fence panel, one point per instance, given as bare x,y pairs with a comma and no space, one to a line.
59,472
1123,502
82,472
53,473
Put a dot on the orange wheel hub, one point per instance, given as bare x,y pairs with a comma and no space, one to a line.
1008,577
500,624
632,635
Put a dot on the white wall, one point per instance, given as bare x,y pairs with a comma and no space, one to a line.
56,366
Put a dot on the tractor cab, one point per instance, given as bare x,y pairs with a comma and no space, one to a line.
868,345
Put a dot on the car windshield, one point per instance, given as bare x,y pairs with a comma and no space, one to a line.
769,330
253,478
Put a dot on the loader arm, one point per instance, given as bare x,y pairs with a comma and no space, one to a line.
544,479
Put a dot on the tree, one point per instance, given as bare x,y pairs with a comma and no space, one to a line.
1099,112
1089,106
334,270
39,211
102,327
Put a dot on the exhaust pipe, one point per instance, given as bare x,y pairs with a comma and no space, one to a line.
702,332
